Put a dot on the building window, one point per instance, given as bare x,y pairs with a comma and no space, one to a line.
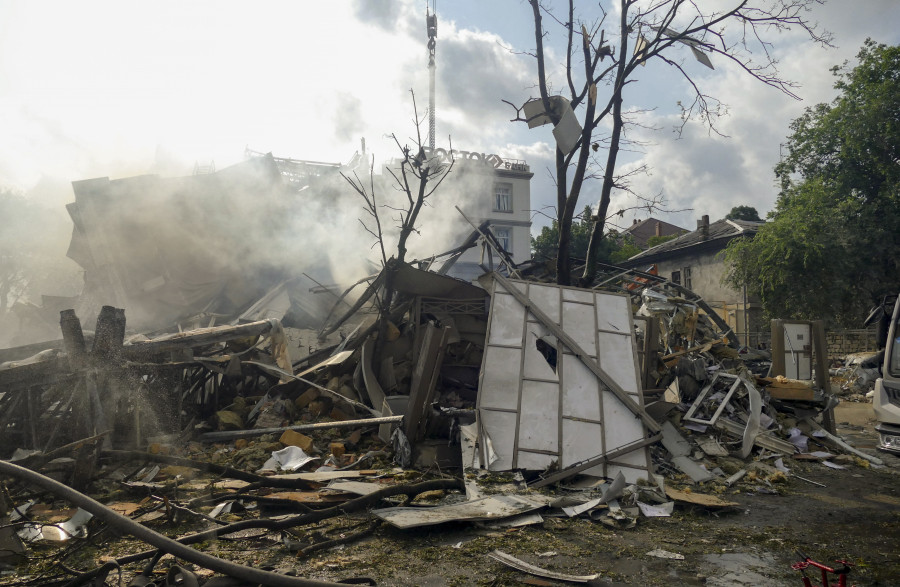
504,237
503,197
676,277
687,277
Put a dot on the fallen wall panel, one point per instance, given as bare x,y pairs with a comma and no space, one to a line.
538,402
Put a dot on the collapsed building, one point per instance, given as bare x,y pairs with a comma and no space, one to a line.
635,384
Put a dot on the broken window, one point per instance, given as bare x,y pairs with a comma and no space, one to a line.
504,237
547,347
687,277
503,197
676,277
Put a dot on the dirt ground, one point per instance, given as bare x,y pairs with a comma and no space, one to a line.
855,516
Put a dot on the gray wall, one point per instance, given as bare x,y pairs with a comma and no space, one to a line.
707,269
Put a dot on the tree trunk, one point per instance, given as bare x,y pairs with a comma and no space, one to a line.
564,225
590,264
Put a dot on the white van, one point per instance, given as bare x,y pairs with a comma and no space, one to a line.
886,402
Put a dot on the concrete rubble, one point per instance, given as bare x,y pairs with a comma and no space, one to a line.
499,404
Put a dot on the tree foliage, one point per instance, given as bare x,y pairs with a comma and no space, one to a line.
744,213
605,46
545,246
833,243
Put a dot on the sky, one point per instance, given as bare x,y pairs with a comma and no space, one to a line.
120,88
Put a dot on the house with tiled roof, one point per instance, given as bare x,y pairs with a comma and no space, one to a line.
642,230
695,260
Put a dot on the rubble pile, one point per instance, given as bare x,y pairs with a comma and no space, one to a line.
496,405
855,375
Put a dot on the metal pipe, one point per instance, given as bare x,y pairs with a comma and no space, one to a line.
164,543
235,434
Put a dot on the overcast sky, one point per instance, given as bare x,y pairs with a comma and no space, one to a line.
121,88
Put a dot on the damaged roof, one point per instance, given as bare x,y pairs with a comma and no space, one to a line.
715,237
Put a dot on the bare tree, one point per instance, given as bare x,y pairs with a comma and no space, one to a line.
415,177
666,30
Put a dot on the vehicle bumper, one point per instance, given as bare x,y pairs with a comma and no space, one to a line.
888,438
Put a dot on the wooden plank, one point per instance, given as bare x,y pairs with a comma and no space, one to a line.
73,339
424,378
821,370
717,320
373,388
579,352
695,349
791,393
194,338
701,499
777,330
228,435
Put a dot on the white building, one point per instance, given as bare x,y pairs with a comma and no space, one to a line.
484,186
492,188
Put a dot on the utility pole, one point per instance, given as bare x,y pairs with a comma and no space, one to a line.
431,26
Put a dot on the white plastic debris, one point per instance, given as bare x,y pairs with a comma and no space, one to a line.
222,508
779,464
660,553
290,458
798,439
657,511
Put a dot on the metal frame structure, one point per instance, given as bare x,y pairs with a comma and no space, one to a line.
689,417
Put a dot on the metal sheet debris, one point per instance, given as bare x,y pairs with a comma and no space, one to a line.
290,458
521,565
357,487
529,519
76,526
663,510
486,508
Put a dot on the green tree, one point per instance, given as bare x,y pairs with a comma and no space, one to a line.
622,249
833,243
545,246
744,213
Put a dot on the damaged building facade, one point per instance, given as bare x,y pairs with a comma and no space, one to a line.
695,261
203,249
499,192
